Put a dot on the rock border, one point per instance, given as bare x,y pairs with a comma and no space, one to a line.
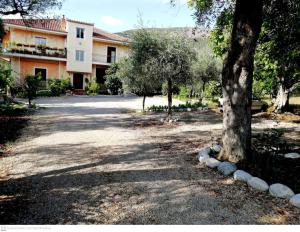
227,169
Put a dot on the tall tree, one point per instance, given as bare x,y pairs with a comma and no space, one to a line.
280,40
237,73
28,8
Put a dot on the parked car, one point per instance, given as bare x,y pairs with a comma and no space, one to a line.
257,105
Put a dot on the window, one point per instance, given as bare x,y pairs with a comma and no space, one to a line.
42,72
40,41
80,32
79,55
111,54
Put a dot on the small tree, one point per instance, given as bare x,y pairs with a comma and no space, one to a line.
138,82
162,57
6,80
31,85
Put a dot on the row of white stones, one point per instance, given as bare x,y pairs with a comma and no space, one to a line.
227,169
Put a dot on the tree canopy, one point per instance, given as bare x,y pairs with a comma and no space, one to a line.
28,8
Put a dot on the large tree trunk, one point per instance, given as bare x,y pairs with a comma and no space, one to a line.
237,81
170,92
282,98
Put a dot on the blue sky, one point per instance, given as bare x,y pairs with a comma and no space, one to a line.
120,15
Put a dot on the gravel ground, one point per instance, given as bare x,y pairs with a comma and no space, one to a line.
85,160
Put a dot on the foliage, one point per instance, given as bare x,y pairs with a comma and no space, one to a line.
113,81
187,105
6,79
28,8
2,30
44,93
12,109
175,89
59,86
32,83
205,69
93,88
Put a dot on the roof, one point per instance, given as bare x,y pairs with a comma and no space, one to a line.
44,24
100,34
58,25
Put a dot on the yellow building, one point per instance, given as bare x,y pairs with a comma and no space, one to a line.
61,48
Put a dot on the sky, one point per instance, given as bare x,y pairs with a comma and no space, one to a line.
120,15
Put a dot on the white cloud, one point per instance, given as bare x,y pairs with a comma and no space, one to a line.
111,21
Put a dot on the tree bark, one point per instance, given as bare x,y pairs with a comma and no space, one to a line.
144,100
237,81
170,92
282,98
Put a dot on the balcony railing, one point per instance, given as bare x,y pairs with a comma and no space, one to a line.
100,58
36,50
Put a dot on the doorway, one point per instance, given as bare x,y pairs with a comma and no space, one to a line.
78,81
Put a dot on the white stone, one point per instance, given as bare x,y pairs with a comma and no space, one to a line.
204,151
227,168
216,148
203,158
189,109
212,163
258,184
295,200
292,155
281,191
242,176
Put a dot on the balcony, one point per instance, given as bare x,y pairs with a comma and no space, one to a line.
104,59
29,50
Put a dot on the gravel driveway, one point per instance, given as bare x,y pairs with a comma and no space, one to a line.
87,160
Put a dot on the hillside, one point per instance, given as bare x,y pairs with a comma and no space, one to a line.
189,31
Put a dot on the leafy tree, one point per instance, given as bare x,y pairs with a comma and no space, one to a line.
237,71
277,55
31,85
137,70
6,80
170,61
113,81
205,69
28,8
280,40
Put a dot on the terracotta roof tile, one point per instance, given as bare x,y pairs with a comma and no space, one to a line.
59,25
98,33
45,24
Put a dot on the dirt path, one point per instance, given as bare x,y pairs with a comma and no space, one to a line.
87,162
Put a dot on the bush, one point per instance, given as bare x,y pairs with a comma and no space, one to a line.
44,93
114,84
92,88
187,105
59,86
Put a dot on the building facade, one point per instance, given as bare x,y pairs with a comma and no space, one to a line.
61,48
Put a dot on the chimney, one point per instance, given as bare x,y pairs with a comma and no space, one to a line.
63,23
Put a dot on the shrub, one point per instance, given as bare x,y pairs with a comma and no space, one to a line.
114,84
44,93
185,106
59,86
92,88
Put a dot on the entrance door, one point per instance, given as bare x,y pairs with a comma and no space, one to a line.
78,81
100,73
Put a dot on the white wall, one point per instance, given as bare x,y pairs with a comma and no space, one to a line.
85,44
